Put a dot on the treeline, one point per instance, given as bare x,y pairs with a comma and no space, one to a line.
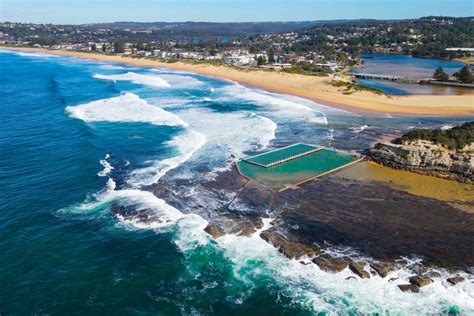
455,138
423,37
464,75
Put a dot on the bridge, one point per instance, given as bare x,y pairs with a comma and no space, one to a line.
377,76
386,77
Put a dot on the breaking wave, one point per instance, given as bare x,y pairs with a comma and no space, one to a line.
127,107
186,145
36,55
285,106
181,81
360,129
255,262
229,134
112,67
147,80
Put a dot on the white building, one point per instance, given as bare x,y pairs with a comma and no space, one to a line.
240,60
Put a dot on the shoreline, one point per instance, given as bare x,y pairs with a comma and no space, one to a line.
317,89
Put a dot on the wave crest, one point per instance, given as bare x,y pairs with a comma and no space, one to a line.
127,107
147,80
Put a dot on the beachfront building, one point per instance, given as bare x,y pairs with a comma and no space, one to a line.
240,60
143,53
276,66
465,50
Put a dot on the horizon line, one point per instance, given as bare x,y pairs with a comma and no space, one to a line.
242,22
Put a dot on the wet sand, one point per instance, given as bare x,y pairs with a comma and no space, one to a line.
314,88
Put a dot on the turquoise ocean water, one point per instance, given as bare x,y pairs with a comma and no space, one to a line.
78,137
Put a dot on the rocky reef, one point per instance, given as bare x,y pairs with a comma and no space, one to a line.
333,224
336,224
427,157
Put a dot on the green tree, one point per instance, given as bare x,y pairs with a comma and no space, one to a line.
260,60
104,48
271,56
464,75
118,48
93,47
440,75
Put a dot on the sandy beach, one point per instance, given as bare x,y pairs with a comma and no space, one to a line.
314,88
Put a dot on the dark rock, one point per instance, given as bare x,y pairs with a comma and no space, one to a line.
350,278
358,268
409,288
291,249
378,221
214,231
382,268
392,279
305,263
419,280
330,264
455,280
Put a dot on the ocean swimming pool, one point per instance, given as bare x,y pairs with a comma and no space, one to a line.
295,171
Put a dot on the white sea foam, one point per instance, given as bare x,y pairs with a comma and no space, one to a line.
111,67
147,80
186,145
230,133
162,214
254,259
283,105
36,55
107,166
127,107
181,81
360,129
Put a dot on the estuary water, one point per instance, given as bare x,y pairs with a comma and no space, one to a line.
410,67
78,137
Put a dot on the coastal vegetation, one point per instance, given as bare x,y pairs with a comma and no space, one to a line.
454,138
308,69
351,87
440,74
463,76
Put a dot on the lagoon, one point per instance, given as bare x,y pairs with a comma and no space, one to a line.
407,66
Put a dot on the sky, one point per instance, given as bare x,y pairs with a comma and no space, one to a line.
90,11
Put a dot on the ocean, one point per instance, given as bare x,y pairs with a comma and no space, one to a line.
80,139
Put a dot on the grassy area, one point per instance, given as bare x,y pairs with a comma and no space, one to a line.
308,71
351,87
466,60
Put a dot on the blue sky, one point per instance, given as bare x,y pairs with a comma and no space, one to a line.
90,11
